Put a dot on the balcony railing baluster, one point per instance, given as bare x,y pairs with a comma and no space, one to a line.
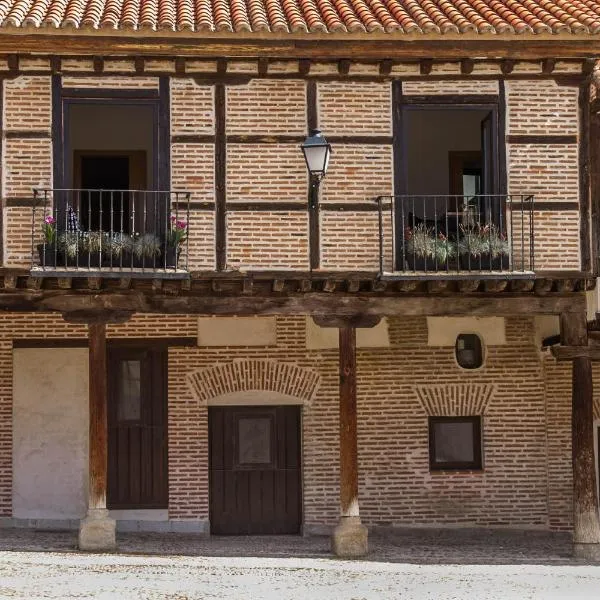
465,234
110,231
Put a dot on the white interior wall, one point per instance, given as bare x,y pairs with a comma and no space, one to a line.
104,126
430,135
50,432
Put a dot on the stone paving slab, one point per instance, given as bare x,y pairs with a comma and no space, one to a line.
420,546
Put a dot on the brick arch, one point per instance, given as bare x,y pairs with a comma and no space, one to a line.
459,400
280,382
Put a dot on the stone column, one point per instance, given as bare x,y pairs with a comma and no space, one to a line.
97,531
586,521
350,537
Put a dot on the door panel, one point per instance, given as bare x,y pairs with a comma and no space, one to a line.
255,468
137,429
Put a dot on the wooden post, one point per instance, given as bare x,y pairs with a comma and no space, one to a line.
348,425
350,536
98,432
586,521
97,531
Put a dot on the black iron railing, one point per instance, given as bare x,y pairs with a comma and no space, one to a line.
110,230
456,234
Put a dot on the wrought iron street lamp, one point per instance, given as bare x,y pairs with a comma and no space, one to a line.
316,150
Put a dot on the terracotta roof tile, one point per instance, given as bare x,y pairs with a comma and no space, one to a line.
315,16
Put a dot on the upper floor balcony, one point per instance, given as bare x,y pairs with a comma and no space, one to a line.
139,233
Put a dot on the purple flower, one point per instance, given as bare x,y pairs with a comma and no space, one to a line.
181,225
49,220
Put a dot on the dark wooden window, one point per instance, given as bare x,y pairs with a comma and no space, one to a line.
455,443
469,351
137,428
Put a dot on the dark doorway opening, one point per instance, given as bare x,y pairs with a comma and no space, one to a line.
114,175
99,209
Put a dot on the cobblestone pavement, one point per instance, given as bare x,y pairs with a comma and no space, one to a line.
469,564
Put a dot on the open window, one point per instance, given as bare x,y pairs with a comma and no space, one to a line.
110,161
451,165
449,214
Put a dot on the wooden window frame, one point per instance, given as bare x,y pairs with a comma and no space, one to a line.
476,464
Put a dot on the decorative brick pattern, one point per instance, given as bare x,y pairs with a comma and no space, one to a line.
549,171
541,108
192,107
460,400
267,107
201,241
260,172
193,170
28,103
188,442
6,433
254,375
18,245
350,240
27,164
556,240
421,88
267,240
358,173
370,102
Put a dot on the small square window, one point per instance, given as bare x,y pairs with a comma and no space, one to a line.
455,443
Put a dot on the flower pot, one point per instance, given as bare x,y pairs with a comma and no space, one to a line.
172,257
413,262
48,255
130,260
484,262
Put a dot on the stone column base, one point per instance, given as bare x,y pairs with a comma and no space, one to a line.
97,532
587,551
350,538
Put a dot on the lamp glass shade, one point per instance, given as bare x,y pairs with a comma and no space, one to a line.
316,151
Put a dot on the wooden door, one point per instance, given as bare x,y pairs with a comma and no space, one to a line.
255,470
137,428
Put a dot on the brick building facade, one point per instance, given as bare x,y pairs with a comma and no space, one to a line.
208,369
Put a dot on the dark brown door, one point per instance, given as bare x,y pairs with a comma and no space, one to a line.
254,470
137,428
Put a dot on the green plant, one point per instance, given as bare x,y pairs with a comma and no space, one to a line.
93,241
49,229
486,239
119,243
444,249
69,242
471,241
496,243
420,241
177,232
146,245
